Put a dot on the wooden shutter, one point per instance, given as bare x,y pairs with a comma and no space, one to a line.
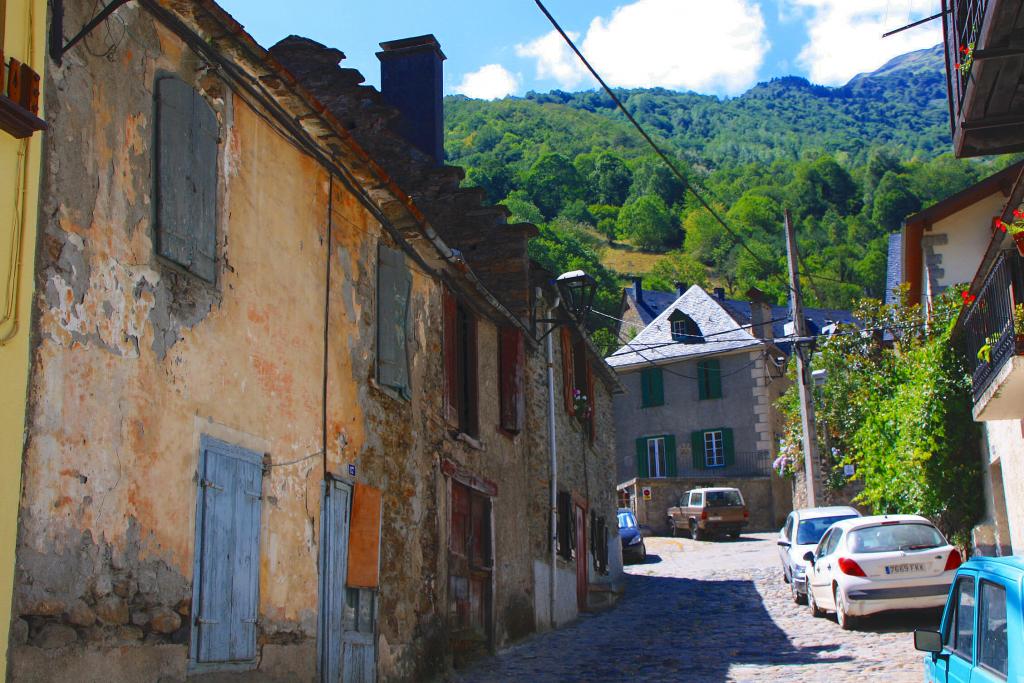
652,387
565,525
592,398
394,284
713,374
510,377
568,386
470,420
702,380
642,466
451,353
727,446
670,456
227,585
186,178
364,537
697,443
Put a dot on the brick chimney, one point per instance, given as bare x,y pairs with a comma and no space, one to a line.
760,314
412,80
681,288
638,289
720,293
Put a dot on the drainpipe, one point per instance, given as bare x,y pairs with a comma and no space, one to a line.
553,445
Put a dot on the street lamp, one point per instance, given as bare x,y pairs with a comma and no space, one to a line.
577,289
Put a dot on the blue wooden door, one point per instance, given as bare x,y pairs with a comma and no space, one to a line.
226,582
334,525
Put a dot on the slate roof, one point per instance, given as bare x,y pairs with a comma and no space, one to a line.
894,266
655,343
655,303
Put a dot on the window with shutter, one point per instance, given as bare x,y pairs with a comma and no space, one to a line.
670,456
394,284
714,448
568,385
652,391
186,178
566,523
709,379
511,358
460,364
641,458
227,559
697,444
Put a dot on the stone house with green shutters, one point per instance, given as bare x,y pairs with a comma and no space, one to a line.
700,384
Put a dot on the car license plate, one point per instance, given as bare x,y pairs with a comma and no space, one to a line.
904,568
715,519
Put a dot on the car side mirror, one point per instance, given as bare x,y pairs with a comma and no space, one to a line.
784,544
809,556
927,641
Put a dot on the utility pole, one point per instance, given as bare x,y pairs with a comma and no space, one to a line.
803,373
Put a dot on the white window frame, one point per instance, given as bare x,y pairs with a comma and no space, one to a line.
679,329
714,448
657,466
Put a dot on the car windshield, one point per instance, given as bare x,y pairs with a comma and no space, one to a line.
810,531
626,520
723,499
891,537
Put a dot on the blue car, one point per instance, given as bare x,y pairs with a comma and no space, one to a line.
981,639
633,548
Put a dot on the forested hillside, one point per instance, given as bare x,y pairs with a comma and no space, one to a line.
850,163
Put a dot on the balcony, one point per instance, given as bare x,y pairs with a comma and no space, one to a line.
998,382
984,75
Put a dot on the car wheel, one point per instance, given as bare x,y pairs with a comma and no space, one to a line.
695,532
785,576
643,552
845,621
734,535
798,597
672,527
813,606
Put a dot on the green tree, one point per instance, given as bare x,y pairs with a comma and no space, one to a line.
652,177
893,201
611,179
552,182
646,221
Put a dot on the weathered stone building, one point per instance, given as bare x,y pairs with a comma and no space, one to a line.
290,405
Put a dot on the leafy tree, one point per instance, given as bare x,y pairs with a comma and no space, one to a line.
552,182
677,267
652,177
646,221
523,210
893,201
611,179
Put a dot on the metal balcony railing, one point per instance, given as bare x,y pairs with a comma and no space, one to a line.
989,320
962,26
745,465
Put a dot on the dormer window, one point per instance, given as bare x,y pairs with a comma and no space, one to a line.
684,329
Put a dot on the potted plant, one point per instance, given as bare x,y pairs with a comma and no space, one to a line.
1016,229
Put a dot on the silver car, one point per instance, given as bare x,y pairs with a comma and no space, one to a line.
801,533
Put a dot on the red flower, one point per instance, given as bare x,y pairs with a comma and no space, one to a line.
1017,213
957,66
1000,224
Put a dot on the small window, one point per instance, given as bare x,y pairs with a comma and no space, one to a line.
186,178
709,379
696,500
684,329
460,360
652,388
656,457
960,637
993,649
714,449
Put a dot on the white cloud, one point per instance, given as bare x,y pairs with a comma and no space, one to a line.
679,44
554,59
845,36
489,82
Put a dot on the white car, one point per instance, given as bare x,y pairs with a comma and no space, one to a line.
802,531
875,564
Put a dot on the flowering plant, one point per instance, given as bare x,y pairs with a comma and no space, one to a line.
581,404
1018,320
791,455
1017,226
985,352
966,59
967,297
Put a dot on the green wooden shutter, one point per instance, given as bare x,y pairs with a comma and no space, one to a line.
652,388
702,380
697,441
641,458
670,455
727,444
394,282
713,372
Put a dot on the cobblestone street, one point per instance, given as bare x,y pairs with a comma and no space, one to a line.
710,612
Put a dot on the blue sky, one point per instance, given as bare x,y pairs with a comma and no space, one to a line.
506,47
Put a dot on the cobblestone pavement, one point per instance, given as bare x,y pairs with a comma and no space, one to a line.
711,612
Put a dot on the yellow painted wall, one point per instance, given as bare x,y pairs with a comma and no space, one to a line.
24,39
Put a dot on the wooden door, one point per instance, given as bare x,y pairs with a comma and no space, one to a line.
581,557
334,525
357,638
470,567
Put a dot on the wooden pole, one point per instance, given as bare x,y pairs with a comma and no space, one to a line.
803,371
